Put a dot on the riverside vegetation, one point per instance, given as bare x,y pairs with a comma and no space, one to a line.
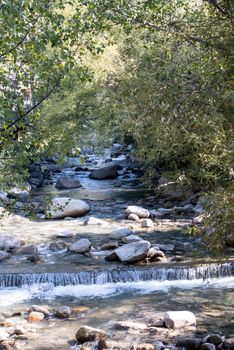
121,112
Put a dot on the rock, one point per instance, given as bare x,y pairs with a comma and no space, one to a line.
112,257
216,339
65,234
179,319
35,259
86,333
166,247
67,182
3,335
35,316
154,253
94,221
157,323
120,233
110,344
177,258
131,238
58,245
8,242
133,252
159,345
228,343
133,217
64,312
40,309
81,246
126,325
8,323
207,346
137,210
109,246
64,206
143,346
4,255
105,173
189,343
147,223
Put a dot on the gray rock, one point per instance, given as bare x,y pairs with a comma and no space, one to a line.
216,339
131,239
179,319
155,253
120,233
147,223
64,312
65,234
94,221
133,252
105,173
228,343
3,255
207,346
8,242
81,246
137,210
62,207
109,246
86,333
67,182
189,343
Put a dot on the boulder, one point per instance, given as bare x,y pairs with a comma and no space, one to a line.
105,173
3,255
62,207
133,217
8,242
86,333
64,182
120,233
189,343
35,316
40,309
137,210
81,246
147,223
133,252
228,343
179,319
131,238
64,312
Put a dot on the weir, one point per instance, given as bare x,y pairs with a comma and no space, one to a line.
116,275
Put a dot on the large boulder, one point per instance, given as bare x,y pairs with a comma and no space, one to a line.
64,182
81,246
86,333
62,207
133,252
8,242
108,172
179,319
137,210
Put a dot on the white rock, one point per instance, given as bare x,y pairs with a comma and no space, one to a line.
62,207
65,234
133,217
179,319
147,223
120,233
83,245
94,221
133,252
139,211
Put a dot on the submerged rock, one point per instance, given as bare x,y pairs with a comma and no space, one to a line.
137,210
105,173
64,182
81,246
133,252
62,207
86,333
179,319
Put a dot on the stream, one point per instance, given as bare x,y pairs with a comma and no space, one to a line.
105,292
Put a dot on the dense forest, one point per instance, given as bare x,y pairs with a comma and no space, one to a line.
156,73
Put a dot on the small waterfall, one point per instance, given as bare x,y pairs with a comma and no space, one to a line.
115,275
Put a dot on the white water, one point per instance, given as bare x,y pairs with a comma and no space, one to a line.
49,292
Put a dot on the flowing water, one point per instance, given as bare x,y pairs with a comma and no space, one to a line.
111,292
